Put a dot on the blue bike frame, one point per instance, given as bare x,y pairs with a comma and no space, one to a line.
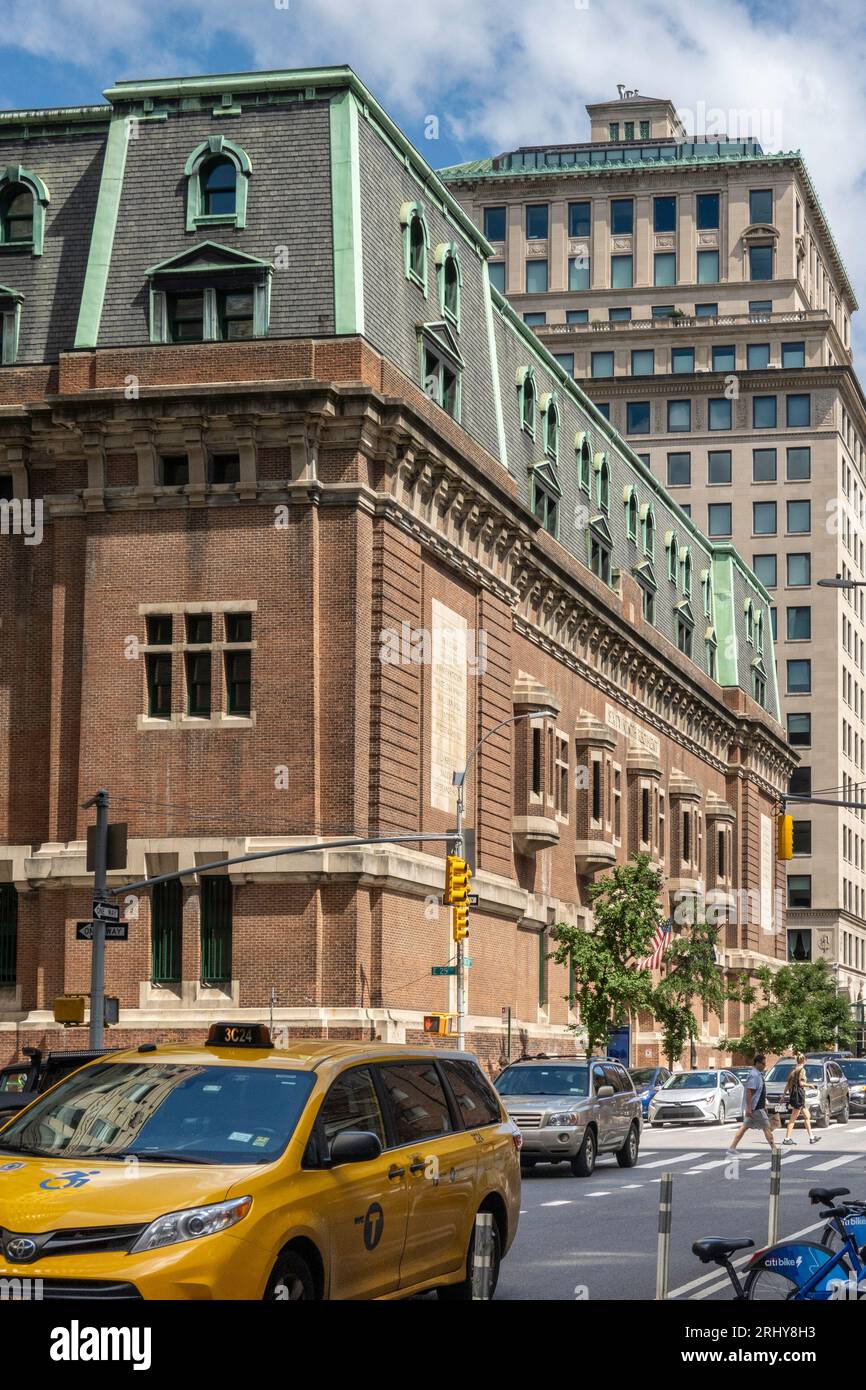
817,1264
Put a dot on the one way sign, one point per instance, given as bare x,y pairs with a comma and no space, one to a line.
114,931
105,912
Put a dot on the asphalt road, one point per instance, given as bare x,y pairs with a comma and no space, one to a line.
596,1237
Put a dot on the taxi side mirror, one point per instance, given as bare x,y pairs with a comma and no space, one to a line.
604,1091
354,1146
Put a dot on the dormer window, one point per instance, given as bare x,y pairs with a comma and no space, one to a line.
707,588
449,281
685,629
23,200
631,513
602,483
584,462
10,320
546,496
686,563
649,530
749,617
209,293
673,556
526,399
550,424
416,239
217,174
441,366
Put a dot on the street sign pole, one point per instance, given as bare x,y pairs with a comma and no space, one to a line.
457,849
97,958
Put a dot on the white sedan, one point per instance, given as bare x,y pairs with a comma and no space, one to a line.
697,1097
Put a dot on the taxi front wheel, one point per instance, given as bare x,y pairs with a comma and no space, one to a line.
291,1280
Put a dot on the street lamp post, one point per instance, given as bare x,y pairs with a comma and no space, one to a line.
458,780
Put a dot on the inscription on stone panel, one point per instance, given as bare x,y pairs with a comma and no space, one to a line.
767,875
634,732
448,703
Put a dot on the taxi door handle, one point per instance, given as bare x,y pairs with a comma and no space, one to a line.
418,1166
395,1172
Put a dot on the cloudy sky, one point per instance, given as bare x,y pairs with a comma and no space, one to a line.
495,74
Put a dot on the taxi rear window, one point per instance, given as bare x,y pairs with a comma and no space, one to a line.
165,1112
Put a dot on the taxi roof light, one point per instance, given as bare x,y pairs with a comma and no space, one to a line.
239,1035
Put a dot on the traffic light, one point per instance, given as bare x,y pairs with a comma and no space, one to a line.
460,922
457,876
785,837
437,1023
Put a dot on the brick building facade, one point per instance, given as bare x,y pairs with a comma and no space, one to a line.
317,512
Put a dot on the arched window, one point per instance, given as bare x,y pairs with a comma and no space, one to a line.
631,512
649,530
450,280
526,399
23,200
707,586
217,174
584,461
17,214
415,242
750,623
687,573
602,483
759,634
673,556
218,192
550,424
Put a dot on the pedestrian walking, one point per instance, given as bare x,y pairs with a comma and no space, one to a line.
795,1090
755,1115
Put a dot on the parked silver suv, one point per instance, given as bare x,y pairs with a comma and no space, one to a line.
570,1109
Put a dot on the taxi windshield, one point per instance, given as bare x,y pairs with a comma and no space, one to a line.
165,1111
544,1081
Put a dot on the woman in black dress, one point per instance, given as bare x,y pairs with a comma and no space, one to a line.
795,1089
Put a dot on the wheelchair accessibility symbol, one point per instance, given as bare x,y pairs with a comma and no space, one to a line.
373,1221
76,1177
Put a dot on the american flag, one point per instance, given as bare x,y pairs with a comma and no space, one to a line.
660,941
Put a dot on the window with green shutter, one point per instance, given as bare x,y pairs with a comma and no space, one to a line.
216,930
166,932
8,933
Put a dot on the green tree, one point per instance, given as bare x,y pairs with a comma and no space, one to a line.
691,976
802,1011
606,987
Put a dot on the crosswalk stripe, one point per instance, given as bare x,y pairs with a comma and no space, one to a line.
833,1163
566,1202
674,1158
598,1194
705,1167
786,1159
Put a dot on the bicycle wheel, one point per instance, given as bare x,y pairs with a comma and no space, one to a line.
769,1285
781,1271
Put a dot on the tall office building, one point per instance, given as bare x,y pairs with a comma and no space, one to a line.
694,288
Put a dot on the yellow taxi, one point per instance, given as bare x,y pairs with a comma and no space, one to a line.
237,1170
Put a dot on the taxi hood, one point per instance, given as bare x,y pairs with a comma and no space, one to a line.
43,1194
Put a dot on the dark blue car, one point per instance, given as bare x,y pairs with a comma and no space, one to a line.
646,1082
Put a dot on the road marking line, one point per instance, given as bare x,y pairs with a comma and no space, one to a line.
741,1260
714,1163
629,1186
786,1159
677,1158
860,1129
598,1194
564,1202
833,1163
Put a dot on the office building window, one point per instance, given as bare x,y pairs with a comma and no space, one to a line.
799,464
679,470
707,212
798,412
760,262
665,214
706,311
637,417
719,466
534,320
760,307
764,518
619,315
800,730
621,216
494,223
799,518
603,408
566,362
799,570
757,356
760,205
799,890
621,274
800,782
601,364
662,311
766,570
724,359
799,677
643,362
719,413
764,412
577,316
578,279
496,271
799,624
682,360
679,416
579,222
763,465
664,268
719,519
802,836
537,222
793,354
536,277
708,267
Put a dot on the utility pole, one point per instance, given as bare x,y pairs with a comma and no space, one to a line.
100,894
457,849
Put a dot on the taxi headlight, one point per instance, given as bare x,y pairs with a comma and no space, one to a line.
178,1226
563,1121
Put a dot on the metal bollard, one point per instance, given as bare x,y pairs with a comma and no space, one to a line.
666,1192
482,1259
775,1193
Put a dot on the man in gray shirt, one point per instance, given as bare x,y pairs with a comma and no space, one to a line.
755,1114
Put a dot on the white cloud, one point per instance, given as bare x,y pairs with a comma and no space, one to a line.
499,75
